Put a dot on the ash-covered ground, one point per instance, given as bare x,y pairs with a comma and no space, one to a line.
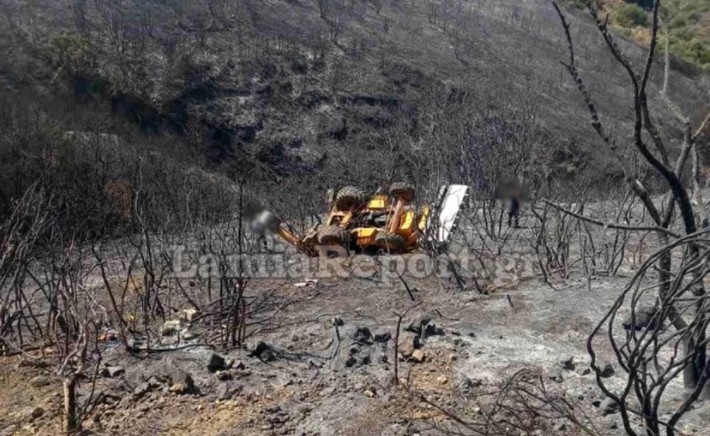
325,364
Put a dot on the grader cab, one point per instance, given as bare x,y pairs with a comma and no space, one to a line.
384,222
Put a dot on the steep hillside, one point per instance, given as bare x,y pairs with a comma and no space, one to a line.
356,90
686,25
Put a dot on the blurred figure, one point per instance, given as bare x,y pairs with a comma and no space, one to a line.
514,211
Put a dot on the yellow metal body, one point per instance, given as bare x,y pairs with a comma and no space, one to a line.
365,236
381,213
378,202
339,218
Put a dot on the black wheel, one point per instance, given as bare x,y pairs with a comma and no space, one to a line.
332,235
390,241
350,197
402,190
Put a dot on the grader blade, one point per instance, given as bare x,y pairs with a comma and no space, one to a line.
451,200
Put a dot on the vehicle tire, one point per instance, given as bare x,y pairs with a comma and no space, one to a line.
402,190
332,235
390,241
350,197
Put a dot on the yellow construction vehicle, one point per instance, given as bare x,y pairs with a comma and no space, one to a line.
390,222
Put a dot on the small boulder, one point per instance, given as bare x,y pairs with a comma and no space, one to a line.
142,389
40,381
382,336
607,371
418,326
181,382
408,344
263,352
418,356
188,315
362,335
113,371
227,391
217,363
433,330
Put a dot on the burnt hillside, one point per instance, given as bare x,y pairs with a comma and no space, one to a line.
306,87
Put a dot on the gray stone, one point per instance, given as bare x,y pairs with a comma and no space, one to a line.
418,326
408,343
40,381
362,335
382,336
217,363
263,352
113,371
181,382
226,391
142,389
418,356
607,371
